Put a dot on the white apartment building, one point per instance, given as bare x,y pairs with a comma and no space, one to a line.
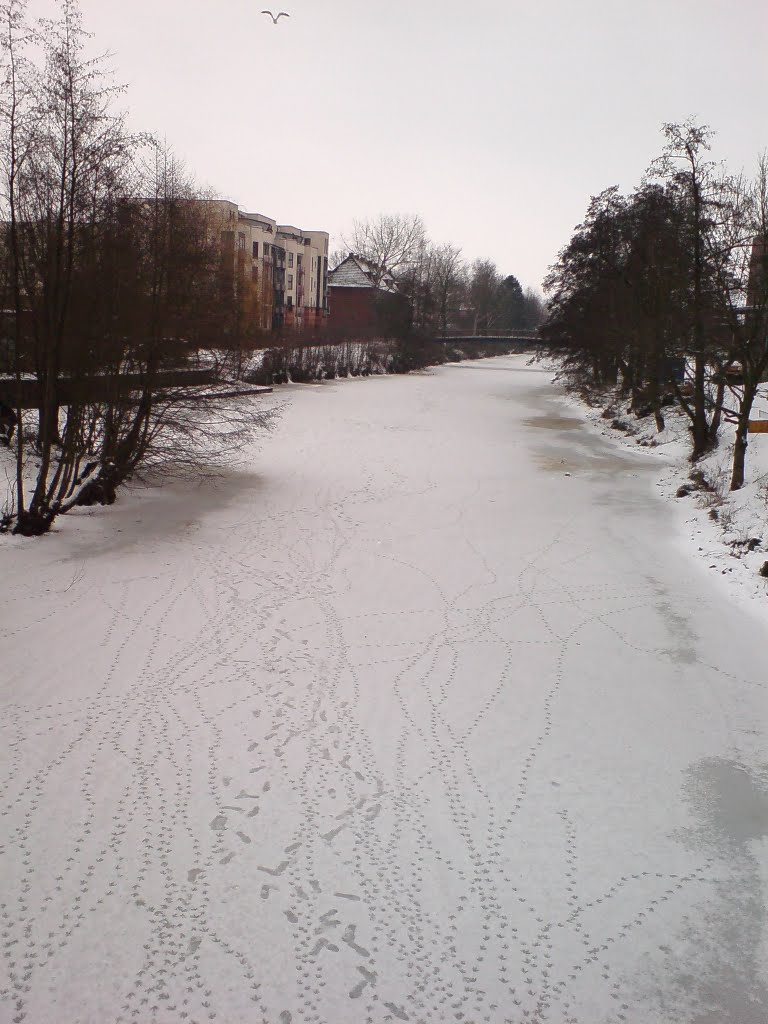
282,269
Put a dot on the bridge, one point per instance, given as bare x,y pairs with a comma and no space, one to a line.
518,338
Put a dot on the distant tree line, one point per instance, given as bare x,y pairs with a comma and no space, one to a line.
444,293
664,292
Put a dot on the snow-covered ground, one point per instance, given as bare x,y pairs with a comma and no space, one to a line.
427,716
727,531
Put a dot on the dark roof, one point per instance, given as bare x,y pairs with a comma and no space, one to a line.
358,272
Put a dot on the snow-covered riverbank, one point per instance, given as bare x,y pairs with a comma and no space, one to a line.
725,532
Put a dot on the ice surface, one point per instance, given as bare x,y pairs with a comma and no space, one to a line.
428,716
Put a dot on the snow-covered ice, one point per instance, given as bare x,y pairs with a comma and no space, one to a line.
428,715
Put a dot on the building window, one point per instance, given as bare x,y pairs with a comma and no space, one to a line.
290,259
255,250
289,302
266,250
241,240
290,280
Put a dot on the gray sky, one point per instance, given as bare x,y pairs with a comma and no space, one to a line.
493,119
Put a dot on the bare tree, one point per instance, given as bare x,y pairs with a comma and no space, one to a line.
742,277
534,308
392,243
414,281
697,186
159,279
448,277
484,289
78,155
16,140
336,257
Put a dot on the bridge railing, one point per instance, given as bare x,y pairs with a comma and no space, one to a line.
98,388
507,336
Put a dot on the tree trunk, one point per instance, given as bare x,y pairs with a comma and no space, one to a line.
717,415
700,425
654,386
658,416
655,396
742,431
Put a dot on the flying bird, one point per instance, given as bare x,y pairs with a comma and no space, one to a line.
276,18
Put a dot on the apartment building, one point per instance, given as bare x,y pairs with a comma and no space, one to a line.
279,271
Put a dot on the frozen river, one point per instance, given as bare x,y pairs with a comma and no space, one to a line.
426,715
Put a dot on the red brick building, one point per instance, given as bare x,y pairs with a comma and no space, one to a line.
363,299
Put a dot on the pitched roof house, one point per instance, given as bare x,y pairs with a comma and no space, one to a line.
362,297
358,272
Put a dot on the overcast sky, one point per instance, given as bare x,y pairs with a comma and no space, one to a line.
493,119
